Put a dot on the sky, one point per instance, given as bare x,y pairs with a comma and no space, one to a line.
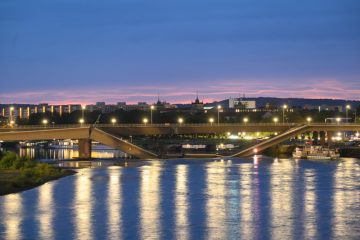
83,51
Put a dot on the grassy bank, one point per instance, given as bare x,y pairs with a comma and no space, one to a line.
20,173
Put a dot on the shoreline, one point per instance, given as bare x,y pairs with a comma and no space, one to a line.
14,184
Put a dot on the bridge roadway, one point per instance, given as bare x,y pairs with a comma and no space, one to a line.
110,134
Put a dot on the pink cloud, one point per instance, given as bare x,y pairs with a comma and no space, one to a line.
219,90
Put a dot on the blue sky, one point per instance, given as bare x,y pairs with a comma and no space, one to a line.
129,50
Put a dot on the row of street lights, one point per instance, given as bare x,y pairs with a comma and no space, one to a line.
211,120
180,120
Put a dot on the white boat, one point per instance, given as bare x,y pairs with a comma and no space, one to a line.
315,152
63,144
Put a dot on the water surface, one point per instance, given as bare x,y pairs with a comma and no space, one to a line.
193,199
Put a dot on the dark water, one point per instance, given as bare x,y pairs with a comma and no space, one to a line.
193,199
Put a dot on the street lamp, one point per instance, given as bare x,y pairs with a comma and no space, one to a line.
152,107
81,121
45,122
275,119
113,121
218,113
245,120
348,107
211,121
338,120
82,111
180,120
308,119
283,116
12,122
145,121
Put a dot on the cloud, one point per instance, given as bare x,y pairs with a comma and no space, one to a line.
224,89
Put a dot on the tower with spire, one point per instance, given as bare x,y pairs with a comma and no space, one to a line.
197,105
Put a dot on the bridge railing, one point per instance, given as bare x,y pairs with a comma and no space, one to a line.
148,125
49,126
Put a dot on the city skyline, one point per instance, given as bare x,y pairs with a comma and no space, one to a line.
76,51
153,99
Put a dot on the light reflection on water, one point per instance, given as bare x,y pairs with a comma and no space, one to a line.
11,216
68,153
114,200
279,199
150,202
181,202
82,205
45,210
215,192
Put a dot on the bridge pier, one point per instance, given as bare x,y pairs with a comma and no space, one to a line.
329,135
322,137
315,137
85,148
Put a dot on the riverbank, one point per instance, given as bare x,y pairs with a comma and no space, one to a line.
18,174
14,181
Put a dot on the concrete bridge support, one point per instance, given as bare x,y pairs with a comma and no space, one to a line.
329,135
315,135
85,148
322,137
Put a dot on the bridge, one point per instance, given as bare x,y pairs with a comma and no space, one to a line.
112,134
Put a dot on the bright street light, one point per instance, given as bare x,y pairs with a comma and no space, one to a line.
275,119
308,119
45,121
218,113
152,107
180,120
245,120
81,120
338,120
113,121
283,116
211,120
83,107
145,121
348,107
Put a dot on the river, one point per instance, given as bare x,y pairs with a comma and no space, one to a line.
257,198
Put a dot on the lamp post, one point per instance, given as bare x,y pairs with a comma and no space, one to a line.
218,114
308,119
45,122
82,111
180,121
211,121
338,120
113,121
355,115
145,121
347,112
245,120
81,121
152,107
283,115
275,120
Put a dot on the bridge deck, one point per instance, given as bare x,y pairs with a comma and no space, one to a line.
107,134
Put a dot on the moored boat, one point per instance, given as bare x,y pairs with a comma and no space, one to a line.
315,152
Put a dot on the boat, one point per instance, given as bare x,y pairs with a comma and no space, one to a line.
63,144
316,152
